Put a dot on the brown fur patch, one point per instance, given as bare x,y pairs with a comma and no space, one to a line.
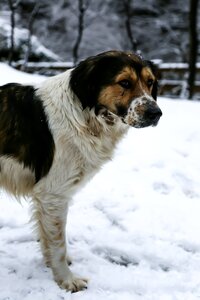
114,95
127,73
140,109
146,74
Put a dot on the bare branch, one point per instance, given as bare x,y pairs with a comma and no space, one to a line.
30,28
82,6
128,15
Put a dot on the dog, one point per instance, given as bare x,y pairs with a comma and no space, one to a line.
54,136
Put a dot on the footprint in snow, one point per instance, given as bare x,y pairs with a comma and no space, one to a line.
115,256
162,188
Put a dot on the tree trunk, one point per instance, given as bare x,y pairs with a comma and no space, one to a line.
82,6
127,11
193,38
12,24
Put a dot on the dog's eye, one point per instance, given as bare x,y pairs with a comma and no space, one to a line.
150,82
126,84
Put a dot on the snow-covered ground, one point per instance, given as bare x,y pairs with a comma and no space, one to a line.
134,231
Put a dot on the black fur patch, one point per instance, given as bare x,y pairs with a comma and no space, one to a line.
24,131
121,110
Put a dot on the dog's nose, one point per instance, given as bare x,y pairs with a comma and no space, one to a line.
153,113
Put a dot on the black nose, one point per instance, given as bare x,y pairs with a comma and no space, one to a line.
153,113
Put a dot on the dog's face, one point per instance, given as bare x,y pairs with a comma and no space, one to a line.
118,84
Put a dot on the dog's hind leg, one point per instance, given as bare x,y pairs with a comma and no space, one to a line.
50,212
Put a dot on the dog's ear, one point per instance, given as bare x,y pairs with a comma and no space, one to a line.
157,75
88,78
83,82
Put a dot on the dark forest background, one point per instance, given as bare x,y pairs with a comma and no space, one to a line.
158,28
75,29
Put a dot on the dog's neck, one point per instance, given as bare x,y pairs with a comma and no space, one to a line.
104,124
66,106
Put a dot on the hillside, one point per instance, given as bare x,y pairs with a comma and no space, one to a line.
159,27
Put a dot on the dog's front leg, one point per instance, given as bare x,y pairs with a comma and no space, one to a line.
50,213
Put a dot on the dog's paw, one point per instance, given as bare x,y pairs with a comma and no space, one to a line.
74,284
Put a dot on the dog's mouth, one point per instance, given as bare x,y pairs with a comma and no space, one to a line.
143,124
108,116
149,117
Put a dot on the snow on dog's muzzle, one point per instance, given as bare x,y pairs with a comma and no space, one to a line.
143,112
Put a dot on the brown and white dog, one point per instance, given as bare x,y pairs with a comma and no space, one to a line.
56,135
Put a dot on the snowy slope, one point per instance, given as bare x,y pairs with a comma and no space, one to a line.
134,231
8,74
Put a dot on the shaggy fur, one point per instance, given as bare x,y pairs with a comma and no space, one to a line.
55,136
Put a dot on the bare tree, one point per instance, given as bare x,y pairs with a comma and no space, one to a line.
82,8
193,37
124,8
12,6
30,33
128,13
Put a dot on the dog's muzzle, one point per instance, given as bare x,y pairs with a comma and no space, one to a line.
143,112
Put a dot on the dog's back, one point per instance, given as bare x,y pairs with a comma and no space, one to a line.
26,143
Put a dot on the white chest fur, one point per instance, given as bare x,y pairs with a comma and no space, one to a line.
83,142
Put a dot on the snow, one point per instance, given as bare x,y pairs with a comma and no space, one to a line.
9,74
43,64
133,230
21,37
172,66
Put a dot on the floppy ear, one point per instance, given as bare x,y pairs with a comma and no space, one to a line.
157,75
83,82
92,74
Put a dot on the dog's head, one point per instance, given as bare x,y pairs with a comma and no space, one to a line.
118,84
